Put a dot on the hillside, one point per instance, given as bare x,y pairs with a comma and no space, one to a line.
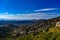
44,30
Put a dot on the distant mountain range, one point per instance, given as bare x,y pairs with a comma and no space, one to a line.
2,21
8,28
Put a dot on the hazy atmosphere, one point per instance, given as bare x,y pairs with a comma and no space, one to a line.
29,19
29,9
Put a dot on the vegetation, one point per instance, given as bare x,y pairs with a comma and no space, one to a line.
53,33
45,30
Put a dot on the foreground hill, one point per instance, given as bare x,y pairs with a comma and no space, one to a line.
42,30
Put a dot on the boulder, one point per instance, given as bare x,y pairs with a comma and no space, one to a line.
58,24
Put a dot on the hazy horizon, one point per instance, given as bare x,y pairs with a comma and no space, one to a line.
29,9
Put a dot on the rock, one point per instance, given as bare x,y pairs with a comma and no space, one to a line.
58,24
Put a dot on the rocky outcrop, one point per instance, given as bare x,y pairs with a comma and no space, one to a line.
58,24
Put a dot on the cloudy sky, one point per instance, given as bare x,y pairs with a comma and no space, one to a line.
29,9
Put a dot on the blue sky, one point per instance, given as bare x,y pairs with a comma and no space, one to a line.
29,9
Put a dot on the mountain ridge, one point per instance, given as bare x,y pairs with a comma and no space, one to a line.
21,30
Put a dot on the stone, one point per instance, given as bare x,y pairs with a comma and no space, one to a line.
58,24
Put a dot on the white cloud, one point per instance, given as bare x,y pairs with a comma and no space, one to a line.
37,15
6,13
46,9
26,16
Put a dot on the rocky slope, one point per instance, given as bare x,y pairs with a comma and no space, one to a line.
41,26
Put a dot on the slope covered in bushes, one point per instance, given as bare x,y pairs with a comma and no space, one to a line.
45,30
